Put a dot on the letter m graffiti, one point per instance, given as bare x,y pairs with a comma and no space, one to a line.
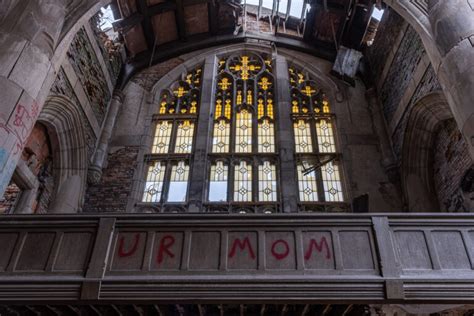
320,247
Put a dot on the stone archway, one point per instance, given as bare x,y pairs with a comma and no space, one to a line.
417,176
64,123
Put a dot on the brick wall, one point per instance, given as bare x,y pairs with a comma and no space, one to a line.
111,194
451,160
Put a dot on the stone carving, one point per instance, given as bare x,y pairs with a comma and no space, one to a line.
62,86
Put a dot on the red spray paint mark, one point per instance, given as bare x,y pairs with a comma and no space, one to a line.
281,255
322,245
238,243
165,243
122,253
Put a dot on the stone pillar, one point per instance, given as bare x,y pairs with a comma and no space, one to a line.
199,170
286,146
100,156
380,129
452,24
69,196
28,37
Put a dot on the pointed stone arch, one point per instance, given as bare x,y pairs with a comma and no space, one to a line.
64,122
417,175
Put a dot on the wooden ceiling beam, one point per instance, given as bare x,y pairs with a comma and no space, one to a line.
128,22
161,8
146,24
180,24
213,17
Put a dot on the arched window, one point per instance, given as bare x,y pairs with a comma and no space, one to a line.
243,156
234,163
319,177
175,124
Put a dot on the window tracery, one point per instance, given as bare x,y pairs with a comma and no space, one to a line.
244,130
174,127
319,178
242,157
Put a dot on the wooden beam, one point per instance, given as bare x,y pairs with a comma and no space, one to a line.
310,22
146,24
128,22
161,8
180,24
213,17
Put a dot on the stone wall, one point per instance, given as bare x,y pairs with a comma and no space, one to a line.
112,192
63,87
451,160
109,49
429,83
86,65
403,76
388,30
403,67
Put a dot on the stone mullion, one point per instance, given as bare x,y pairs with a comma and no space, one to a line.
198,174
286,146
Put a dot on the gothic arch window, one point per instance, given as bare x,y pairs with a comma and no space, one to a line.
168,169
317,158
233,165
243,157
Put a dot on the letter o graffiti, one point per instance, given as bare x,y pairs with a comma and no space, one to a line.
283,255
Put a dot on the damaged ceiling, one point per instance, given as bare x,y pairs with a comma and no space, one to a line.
155,30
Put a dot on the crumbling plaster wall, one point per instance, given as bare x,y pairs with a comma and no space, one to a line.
85,78
403,75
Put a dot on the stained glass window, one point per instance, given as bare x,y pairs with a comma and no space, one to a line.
218,182
307,184
267,182
154,182
243,182
162,137
325,136
220,142
178,182
302,137
184,137
175,123
332,182
244,125
319,176
243,132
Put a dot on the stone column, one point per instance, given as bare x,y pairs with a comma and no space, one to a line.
286,146
28,37
199,171
452,24
388,158
100,155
